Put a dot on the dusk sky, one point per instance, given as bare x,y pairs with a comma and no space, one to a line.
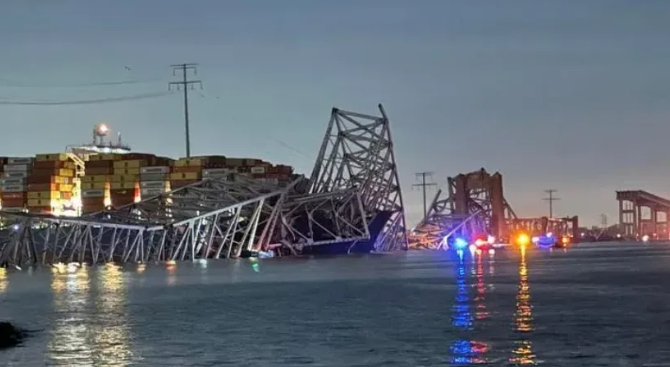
568,95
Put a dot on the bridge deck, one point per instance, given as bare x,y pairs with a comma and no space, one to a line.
641,195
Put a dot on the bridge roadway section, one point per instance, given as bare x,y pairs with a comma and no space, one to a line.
351,203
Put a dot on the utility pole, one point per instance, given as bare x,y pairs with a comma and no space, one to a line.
551,198
185,84
423,185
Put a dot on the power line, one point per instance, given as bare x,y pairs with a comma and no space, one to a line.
86,101
14,84
185,84
551,198
424,185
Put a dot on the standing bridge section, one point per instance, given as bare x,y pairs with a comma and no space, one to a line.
474,204
350,203
643,214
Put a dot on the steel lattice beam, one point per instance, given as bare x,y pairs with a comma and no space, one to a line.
357,152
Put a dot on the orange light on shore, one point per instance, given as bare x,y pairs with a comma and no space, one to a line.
565,240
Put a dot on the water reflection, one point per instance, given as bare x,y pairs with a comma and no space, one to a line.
523,318
4,281
465,351
110,337
90,327
69,345
171,267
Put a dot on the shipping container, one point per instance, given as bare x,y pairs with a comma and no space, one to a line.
13,188
13,181
13,203
132,164
51,157
15,174
155,184
176,184
187,169
155,177
217,172
53,165
124,178
104,157
14,195
235,162
63,172
126,171
17,167
95,178
13,209
121,185
257,170
91,201
22,161
189,162
40,210
43,194
93,185
185,176
155,170
98,164
52,203
99,171
92,193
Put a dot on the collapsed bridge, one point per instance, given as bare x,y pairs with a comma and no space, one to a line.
351,202
474,204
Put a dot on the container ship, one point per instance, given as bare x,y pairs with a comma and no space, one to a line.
107,174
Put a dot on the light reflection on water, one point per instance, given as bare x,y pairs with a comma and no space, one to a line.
465,350
523,318
4,280
80,339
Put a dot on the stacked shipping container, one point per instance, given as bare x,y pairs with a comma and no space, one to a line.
14,183
154,181
117,179
95,184
45,184
50,184
191,170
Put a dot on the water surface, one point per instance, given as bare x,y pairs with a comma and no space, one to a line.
593,305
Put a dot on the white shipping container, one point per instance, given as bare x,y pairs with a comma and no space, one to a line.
154,184
15,174
20,161
216,171
17,167
92,193
13,188
154,177
260,169
147,193
13,181
154,170
14,210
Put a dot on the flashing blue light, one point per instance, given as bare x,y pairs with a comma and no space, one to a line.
546,241
460,243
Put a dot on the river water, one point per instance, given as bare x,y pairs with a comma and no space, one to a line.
592,305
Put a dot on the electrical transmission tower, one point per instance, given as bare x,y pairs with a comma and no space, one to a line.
551,198
185,84
424,185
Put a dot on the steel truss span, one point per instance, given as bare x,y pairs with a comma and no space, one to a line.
474,204
352,198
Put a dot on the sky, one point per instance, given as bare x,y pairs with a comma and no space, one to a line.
565,95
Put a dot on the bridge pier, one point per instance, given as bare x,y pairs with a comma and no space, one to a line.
643,214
